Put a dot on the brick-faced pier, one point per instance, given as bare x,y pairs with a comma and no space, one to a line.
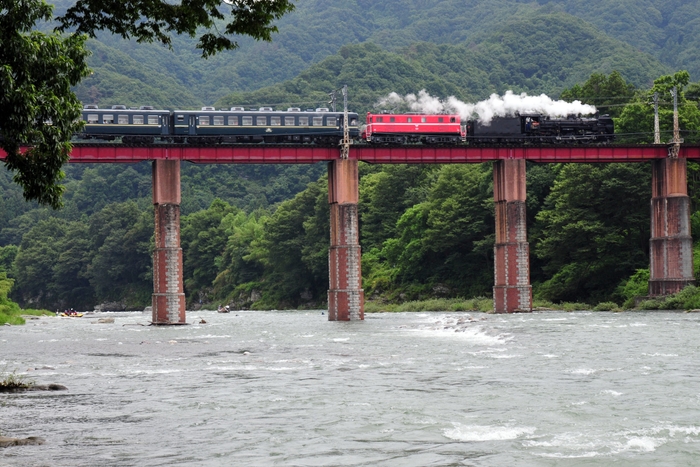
671,246
168,290
512,291
345,295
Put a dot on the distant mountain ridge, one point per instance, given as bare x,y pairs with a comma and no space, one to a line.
319,28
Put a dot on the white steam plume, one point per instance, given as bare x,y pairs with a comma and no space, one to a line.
495,106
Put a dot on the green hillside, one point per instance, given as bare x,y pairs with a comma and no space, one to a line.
559,53
128,78
319,28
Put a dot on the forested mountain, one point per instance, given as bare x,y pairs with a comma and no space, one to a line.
501,62
319,28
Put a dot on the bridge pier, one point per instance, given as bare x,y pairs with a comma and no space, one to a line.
168,291
512,291
345,295
670,246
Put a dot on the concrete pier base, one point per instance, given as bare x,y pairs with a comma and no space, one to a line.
512,291
168,290
346,300
670,246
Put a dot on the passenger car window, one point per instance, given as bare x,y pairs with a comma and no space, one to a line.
289,121
331,121
275,121
123,119
138,119
248,121
318,121
218,120
152,120
261,121
108,118
180,118
93,118
204,120
233,121
304,121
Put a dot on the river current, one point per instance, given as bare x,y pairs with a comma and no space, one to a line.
405,389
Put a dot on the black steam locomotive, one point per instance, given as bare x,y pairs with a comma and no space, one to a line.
537,128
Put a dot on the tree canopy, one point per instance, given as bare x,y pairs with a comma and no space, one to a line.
637,119
608,93
149,20
38,108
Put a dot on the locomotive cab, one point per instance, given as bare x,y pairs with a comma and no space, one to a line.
606,124
530,124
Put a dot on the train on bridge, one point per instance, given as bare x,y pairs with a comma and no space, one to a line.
209,126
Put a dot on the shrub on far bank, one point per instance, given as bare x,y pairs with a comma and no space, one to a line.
686,299
636,286
650,304
10,312
379,307
607,306
575,306
482,304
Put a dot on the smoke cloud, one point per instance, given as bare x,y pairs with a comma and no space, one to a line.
495,106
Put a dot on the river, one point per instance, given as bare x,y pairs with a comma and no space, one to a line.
272,388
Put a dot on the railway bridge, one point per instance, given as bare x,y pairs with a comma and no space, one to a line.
670,244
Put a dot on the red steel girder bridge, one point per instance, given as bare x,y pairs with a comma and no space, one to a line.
308,154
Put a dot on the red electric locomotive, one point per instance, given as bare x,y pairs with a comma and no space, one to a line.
388,128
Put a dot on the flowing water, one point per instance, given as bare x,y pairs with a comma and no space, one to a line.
406,389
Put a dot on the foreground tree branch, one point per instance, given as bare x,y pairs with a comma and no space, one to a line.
154,20
37,107
39,111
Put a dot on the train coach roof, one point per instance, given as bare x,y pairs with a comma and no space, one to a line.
123,108
261,111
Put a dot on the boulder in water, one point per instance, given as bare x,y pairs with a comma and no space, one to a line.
32,440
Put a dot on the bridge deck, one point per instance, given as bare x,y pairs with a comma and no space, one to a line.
309,154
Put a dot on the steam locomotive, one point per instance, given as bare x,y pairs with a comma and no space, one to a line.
542,129
145,125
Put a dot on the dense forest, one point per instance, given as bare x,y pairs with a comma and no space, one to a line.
257,236
617,35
